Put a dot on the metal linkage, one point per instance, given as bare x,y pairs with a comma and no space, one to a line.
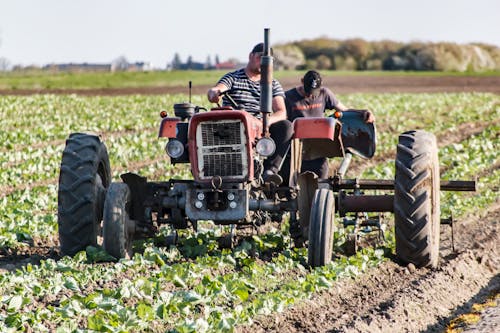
388,184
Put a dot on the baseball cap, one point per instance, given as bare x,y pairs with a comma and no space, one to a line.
312,82
259,48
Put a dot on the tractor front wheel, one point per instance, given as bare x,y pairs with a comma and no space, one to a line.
321,228
416,199
84,177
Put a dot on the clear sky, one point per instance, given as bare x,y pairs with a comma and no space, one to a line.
48,31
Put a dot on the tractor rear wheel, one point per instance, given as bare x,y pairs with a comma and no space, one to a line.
118,229
84,177
321,228
416,199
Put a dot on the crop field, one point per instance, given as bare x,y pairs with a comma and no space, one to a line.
195,286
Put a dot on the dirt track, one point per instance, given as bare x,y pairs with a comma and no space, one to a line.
393,298
340,84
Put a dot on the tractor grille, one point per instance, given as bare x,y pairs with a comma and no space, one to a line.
221,149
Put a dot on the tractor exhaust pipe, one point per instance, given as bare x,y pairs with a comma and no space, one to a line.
266,82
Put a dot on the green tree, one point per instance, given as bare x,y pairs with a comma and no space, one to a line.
176,62
288,56
357,48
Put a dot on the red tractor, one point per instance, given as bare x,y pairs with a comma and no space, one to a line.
225,149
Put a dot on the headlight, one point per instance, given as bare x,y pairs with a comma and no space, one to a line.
266,147
174,148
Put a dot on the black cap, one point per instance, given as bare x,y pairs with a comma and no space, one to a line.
312,82
259,48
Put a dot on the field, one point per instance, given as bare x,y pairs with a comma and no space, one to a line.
264,284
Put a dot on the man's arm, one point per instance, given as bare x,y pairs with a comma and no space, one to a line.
367,114
213,93
279,110
341,107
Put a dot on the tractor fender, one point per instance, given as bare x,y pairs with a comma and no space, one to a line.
168,127
319,136
359,138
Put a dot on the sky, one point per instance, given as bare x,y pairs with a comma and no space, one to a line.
99,31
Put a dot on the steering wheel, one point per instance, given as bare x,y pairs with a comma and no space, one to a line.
231,100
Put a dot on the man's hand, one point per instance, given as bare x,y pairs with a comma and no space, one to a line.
214,95
369,117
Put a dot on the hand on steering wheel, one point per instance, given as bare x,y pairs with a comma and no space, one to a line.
231,100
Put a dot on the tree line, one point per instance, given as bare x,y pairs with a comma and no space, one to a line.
359,54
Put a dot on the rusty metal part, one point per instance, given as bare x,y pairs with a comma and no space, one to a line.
449,221
388,184
458,185
351,244
364,203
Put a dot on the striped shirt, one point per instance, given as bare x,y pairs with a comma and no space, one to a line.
245,92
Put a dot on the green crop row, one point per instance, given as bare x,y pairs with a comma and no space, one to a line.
193,286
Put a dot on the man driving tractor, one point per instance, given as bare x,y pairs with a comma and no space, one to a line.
244,88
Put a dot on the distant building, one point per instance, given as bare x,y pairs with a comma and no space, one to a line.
76,67
139,66
226,65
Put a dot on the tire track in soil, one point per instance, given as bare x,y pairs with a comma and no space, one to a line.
393,298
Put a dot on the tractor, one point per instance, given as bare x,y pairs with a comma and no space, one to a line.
225,148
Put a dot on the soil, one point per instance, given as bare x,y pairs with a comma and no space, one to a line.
394,298
339,84
391,297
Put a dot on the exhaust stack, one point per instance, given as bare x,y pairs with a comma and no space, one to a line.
266,82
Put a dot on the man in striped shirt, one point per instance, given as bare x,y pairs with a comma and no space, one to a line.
244,87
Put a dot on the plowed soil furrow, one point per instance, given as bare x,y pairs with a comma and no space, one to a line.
393,298
339,84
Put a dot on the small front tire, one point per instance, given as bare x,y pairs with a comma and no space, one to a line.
321,228
118,228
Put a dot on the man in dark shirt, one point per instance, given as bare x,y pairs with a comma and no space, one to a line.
311,100
244,87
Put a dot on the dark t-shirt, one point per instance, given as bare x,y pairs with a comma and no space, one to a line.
245,92
313,106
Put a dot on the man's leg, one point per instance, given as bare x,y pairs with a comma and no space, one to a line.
281,132
319,166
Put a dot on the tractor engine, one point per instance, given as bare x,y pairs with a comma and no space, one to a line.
219,144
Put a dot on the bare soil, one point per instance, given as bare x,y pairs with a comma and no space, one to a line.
394,298
339,84
391,297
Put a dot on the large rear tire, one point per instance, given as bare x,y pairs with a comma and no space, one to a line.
117,227
84,177
321,228
416,199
